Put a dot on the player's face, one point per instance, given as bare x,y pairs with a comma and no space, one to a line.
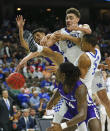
71,19
38,36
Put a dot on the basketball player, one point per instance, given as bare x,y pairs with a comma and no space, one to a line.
74,92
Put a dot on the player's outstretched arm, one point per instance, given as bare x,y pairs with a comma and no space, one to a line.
25,59
20,23
56,57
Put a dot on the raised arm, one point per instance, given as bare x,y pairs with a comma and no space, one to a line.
25,59
20,23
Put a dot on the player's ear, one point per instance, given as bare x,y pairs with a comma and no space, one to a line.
77,19
63,76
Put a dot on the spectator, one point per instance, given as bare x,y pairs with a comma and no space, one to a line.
16,118
33,116
44,98
37,73
35,101
26,89
46,83
12,67
25,122
23,98
6,111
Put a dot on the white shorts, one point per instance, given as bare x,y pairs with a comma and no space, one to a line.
98,82
59,110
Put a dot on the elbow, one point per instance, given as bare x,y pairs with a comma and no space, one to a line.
89,31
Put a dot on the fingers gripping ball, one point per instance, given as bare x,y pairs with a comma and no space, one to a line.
15,80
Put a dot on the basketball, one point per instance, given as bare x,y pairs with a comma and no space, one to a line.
15,80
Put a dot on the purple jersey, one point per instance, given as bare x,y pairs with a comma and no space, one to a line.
71,103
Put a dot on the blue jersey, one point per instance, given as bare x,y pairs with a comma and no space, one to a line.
71,103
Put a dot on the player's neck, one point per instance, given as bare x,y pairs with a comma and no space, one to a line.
67,89
93,51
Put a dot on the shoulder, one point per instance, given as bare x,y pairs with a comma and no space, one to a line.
84,59
21,119
81,91
85,56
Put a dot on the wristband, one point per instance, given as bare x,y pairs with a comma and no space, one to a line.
63,125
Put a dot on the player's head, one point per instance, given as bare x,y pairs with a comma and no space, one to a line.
68,74
72,17
89,42
39,33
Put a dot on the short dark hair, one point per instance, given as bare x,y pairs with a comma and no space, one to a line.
41,29
91,39
74,11
72,73
4,90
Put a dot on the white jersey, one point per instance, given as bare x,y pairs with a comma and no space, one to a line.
95,60
68,48
98,82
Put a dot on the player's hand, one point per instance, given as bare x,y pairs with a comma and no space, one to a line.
57,36
20,21
55,127
101,66
20,65
43,42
